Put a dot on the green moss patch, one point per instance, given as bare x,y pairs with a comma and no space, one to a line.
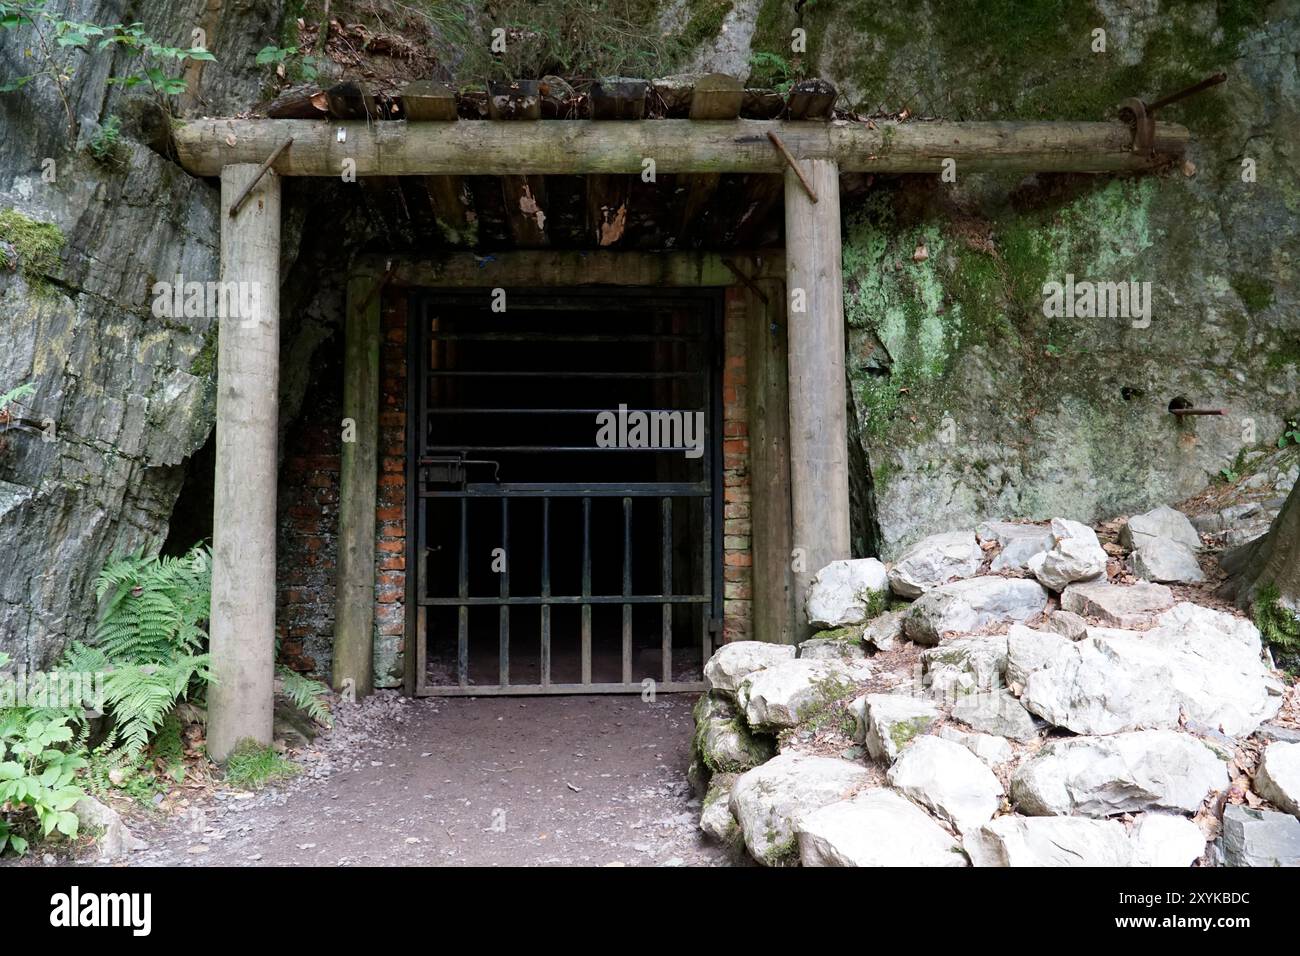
30,246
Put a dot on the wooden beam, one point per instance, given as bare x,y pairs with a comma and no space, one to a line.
775,611
609,197
547,268
524,196
354,601
716,97
242,626
819,442
493,148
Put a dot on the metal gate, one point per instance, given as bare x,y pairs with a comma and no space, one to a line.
547,558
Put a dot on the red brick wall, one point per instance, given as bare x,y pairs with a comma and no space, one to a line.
737,555
306,546
390,500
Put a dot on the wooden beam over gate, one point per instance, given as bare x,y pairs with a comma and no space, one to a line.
584,147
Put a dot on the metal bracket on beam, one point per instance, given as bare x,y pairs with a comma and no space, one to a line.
1142,116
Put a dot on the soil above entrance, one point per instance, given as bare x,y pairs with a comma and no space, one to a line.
587,781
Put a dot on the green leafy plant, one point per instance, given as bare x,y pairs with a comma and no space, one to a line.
37,788
148,643
25,390
106,145
771,69
1229,476
56,38
299,65
1278,626
1290,434
305,693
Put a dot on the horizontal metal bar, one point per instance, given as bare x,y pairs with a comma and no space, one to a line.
524,690
570,490
569,599
542,336
558,449
555,373
449,410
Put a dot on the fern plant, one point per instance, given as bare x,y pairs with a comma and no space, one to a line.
306,694
1277,625
149,644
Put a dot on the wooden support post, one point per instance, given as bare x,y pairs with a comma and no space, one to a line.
244,496
775,614
354,602
818,402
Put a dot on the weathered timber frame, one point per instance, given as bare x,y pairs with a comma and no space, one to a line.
242,152
761,274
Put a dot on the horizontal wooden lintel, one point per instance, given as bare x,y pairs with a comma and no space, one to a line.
583,147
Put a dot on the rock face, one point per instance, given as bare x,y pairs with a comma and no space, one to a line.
1118,605
722,740
789,692
949,780
1018,543
1049,841
1125,773
963,607
891,721
1159,524
732,663
1165,839
769,801
1260,837
130,397
841,592
1201,661
1166,561
1278,778
1075,555
965,665
875,828
934,561
998,713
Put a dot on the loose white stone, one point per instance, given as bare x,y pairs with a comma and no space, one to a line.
1163,523
964,607
1166,839
875,828
892,721
840,592
1076,555
732,663
935,560
949,780
1278,778
1049,841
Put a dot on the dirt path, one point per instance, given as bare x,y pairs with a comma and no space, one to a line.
492,781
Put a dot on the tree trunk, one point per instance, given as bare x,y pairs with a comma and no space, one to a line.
1273,558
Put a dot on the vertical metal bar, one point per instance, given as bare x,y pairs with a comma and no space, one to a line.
462,591
546,592
586,590
627,590
706,571
505,593
666,588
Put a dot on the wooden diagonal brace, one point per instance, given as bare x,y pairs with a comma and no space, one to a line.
776,141
270,161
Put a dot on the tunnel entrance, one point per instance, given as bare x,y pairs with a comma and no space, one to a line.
567,526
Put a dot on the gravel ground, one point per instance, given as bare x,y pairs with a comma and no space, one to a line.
596,780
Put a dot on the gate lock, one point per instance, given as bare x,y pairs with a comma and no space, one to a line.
453,469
